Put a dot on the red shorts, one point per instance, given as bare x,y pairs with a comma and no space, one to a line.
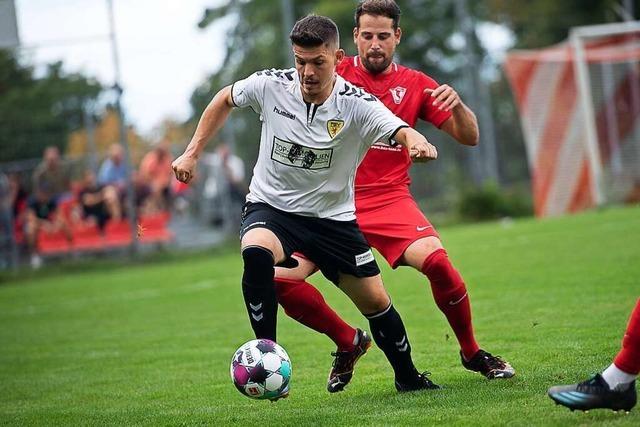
391,222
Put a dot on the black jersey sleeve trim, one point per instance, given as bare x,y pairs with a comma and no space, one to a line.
233,101
392,142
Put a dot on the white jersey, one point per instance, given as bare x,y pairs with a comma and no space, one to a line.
309,153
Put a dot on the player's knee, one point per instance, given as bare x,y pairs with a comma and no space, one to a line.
381,304
258,266
374,303
421,249
438,268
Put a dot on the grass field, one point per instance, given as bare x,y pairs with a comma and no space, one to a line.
150,343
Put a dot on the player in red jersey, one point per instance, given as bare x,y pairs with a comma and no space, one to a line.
386,212
615,388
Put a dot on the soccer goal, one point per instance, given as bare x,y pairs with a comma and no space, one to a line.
579,105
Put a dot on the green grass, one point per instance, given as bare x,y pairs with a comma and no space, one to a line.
150,344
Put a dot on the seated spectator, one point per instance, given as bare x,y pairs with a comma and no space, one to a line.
99,202
42,214
52,174
155,171
113,170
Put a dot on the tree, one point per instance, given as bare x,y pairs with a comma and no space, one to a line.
541,23
106,132
39,111
432,43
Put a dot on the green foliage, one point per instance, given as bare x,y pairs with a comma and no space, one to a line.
151,344
540,23
431,42
492,202
256,41
39,111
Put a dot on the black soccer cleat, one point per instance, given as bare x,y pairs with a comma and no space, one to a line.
420,382
488,365
595,393
344,361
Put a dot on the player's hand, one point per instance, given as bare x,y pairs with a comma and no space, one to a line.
184,167
423,152
444,97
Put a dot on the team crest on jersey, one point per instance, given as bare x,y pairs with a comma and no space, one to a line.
398,94
334,127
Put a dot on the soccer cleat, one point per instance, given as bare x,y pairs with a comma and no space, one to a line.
344,362
488,365
420,382
594,393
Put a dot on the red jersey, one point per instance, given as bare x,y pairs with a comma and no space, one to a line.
402,91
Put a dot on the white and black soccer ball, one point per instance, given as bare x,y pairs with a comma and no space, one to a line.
261,369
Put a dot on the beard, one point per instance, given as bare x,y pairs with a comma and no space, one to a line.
376,64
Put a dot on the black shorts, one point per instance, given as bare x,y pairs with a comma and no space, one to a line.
334,246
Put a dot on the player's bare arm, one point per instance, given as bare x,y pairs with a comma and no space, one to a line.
419,148
463,125
213,118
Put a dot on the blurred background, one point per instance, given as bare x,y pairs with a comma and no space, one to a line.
98,96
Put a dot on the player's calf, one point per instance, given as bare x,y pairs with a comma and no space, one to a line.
258,291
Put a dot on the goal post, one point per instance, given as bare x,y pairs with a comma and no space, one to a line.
579,104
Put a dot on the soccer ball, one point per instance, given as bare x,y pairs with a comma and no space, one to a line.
261,369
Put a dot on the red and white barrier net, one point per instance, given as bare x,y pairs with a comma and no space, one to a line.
579,105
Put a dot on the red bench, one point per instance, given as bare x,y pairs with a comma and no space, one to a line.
87,236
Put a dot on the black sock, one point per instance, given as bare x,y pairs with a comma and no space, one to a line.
390,335
259,291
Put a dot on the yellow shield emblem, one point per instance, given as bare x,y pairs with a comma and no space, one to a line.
334,127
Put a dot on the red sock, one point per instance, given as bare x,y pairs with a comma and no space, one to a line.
451,297
304,303
628,359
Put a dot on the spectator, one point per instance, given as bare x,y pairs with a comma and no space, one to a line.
233,171
42,214
155,171
99,202
224,186
113,170
52,174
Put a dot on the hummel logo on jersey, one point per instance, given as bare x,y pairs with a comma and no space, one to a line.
285,113
281,74
334,126
296,155
398,94
418,228
349,90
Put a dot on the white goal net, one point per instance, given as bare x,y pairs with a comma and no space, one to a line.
579,105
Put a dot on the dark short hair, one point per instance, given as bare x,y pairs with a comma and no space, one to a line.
315,30
386,8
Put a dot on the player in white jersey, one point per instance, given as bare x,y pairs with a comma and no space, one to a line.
316,128
308,151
